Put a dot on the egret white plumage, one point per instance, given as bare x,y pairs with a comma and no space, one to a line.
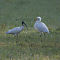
40,26
15,31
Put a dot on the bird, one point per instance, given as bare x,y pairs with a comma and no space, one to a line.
15,31
40,26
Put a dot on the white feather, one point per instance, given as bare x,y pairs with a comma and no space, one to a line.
15,30
40,26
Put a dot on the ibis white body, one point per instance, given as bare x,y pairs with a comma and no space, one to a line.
15,30
40,26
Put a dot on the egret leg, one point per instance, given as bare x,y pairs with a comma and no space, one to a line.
41,36
45,36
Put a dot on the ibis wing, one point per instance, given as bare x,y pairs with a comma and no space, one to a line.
14,30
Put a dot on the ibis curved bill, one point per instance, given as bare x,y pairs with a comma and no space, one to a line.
40,26
15,31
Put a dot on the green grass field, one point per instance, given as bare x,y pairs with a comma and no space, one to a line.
30,45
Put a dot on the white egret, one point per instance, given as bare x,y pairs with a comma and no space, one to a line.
15,31
40,26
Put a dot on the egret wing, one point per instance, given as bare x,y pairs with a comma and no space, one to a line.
42,27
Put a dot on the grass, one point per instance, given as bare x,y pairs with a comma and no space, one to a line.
30,46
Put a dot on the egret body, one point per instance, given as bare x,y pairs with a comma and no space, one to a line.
40,26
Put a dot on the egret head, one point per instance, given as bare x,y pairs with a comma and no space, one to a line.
23,23
38,18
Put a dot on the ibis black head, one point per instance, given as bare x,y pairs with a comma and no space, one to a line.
23,23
